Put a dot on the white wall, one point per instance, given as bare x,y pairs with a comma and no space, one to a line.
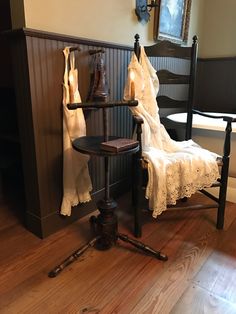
218,28
196,18
106,20
214,21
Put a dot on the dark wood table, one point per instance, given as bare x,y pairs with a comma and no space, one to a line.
105,225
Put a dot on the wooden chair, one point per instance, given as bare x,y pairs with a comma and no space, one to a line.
168,50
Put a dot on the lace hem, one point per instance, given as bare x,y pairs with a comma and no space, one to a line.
178,193
169,182
70,200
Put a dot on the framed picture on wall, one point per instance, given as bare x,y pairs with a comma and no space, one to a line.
171,20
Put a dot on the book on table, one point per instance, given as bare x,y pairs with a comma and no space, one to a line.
119,144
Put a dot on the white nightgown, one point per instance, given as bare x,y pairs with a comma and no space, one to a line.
76,180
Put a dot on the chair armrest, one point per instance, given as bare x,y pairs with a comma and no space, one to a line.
99,105
138,119
137,128
227,140
225,118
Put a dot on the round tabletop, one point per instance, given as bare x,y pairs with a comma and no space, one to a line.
91,145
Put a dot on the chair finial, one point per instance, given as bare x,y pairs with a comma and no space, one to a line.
137,46
195,39
137,37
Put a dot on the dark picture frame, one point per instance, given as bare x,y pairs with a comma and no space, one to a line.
171,20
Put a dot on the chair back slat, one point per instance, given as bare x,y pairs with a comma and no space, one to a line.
167,77
168,49
167,102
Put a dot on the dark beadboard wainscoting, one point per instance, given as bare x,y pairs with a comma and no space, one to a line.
215,88
38,64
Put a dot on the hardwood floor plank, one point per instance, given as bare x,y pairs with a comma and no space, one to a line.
120,280
35,255
218,274
36,275
199,301
196,243
127,274
81,279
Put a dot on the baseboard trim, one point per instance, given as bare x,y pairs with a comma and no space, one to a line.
42,227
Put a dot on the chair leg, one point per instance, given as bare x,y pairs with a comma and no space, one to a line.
221,207
222,194
220,216
136,190
134,180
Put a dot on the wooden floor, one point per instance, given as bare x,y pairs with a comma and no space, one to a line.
199,277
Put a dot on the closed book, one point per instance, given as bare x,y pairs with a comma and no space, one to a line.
119,145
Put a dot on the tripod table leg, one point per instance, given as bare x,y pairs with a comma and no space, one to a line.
147,249
53,273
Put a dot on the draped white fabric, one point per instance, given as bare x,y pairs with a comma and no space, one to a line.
175,169
76,180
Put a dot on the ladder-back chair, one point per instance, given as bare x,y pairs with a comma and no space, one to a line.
168,51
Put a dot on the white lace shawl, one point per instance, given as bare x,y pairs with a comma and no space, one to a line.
175,169
76,179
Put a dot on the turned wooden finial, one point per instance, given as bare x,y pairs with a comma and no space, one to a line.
137,46
136,37
75,48
195,39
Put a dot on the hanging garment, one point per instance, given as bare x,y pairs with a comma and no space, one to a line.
76,180
98,90
175,169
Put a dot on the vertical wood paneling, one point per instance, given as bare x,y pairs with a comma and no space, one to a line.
46,67
25,123
215,86
47,118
